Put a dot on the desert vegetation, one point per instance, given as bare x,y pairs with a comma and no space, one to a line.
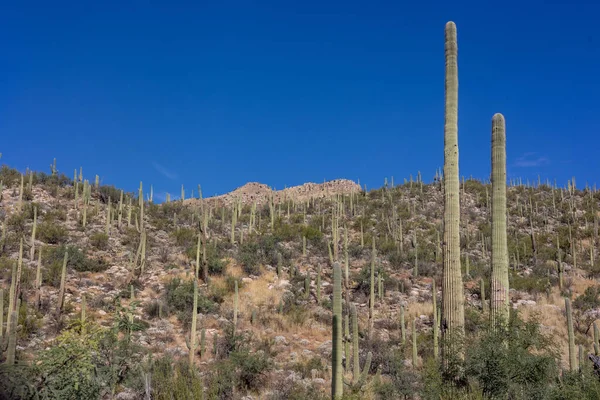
454,288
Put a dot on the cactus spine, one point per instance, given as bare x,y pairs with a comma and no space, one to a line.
452,286
571,335
337,388
499,300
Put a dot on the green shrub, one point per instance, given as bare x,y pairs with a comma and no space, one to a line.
523,368
186,237
179,296
99,240
77,260
174,380
249,257
52,233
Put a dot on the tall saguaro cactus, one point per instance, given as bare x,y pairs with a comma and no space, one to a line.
499,300
452,285
571,336
337,388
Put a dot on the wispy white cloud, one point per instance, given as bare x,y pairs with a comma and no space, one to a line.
164,171
531,159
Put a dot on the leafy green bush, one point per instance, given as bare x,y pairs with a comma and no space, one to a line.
179,296
99,240
52,233
67,369
174,380
516,362
185,237
53,259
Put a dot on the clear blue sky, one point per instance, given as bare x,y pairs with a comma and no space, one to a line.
285,92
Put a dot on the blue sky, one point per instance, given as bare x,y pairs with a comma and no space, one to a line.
284,92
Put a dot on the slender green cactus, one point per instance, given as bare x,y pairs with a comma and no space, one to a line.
11,351
83,319
402,324
596,339
20,203
452,286
1,316
346,341
356,370
318,284
436,322
366,368
63,280
192,344
202,342
11,297
235,305
306,286
303,246
414,344
372,292
571,336
33,230
499,300
483,300
337,388
580,358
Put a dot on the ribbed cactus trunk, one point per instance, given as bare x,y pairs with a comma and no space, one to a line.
571,336
355,360
452,286
436,322
499,300
596,338
337,388
63,280
192,346
372,292
414,344
11,350
235,305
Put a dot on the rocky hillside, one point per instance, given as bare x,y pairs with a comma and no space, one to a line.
259,193
119,322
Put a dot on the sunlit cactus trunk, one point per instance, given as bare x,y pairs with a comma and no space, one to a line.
336,354
453,313
499,300
571,336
